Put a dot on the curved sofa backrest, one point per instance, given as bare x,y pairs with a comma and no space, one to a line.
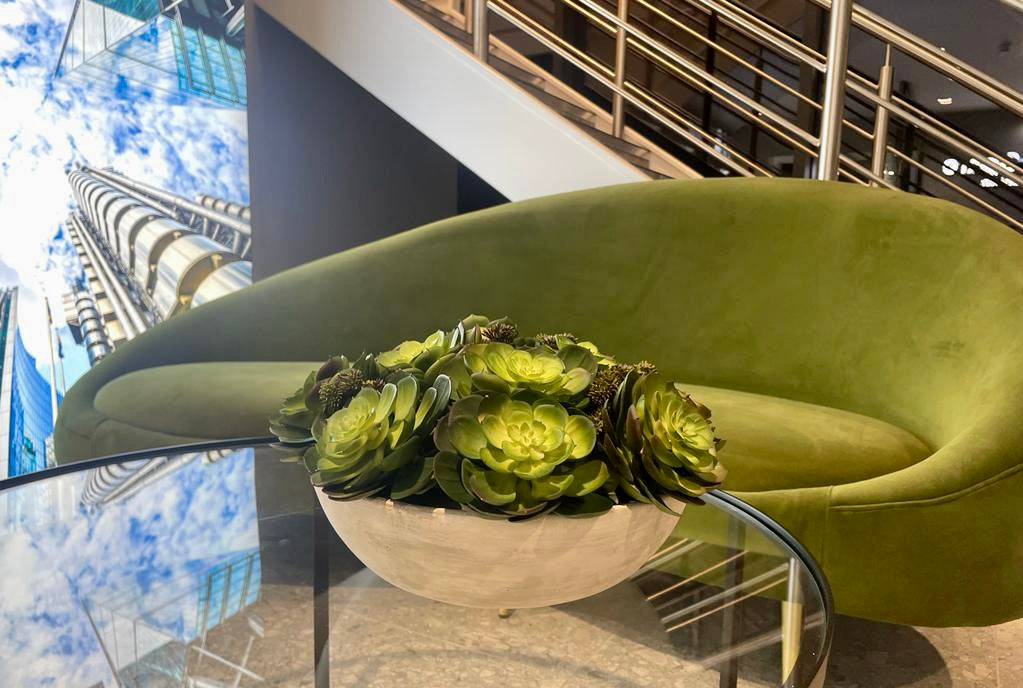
896,306
900,307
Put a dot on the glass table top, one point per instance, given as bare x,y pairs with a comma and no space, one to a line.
216,567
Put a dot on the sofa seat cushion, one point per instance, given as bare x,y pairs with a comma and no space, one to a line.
771,443
776,444
197,401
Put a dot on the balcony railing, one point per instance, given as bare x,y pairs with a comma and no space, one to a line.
738,91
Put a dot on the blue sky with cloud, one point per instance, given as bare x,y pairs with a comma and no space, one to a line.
46,125
144,557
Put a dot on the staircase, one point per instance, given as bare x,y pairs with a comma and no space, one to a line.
639,151
685,88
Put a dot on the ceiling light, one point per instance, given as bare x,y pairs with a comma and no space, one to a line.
949,167
890,173
1013,155
945,100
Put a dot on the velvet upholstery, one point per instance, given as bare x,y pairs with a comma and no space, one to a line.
901,309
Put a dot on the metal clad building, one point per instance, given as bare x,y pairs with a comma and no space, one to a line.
147,255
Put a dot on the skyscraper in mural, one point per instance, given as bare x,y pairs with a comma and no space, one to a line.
27,403
194,47
147,255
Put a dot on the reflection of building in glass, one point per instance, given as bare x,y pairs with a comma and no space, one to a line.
148,255
107,484
192,46
159,637
26,410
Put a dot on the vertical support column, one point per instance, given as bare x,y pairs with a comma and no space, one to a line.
810,84
731,614
834,89
480,30
884,92
791,621
617,99
321,598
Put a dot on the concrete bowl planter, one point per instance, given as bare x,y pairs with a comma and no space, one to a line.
458,557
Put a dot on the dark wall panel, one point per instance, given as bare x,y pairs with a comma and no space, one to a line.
331,167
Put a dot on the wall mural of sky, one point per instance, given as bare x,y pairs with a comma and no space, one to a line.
46,125
143,559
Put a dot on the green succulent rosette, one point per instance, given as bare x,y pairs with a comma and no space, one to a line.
660,442
503,368
375,441
416,355
510,458
502,425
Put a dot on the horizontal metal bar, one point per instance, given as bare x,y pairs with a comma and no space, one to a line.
680,548
762,32
697,136
758,643
842,172
725,51
541,33
867,174
667,51
673,547
956,187
689,579
930,55
1014,166
698,71
726,605
600,23
699,604
545,37
895,107
770,120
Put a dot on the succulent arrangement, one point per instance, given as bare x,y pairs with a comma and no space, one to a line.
500,424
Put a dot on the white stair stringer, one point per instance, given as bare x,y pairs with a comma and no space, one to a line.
514,142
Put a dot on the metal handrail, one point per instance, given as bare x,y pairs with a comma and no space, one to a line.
934,57
650,36
602,74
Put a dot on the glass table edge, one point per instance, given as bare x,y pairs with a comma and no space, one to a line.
719,496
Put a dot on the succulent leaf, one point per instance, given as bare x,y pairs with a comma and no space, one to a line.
505,426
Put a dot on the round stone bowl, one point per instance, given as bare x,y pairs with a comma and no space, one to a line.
454,556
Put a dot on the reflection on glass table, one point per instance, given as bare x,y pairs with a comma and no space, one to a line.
215,567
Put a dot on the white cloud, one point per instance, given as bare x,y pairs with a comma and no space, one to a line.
45,126
57,559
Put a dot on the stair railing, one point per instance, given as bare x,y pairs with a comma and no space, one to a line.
985,178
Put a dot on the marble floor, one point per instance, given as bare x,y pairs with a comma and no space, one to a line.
873,655
381,636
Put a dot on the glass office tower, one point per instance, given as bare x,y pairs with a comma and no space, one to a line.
189,46
26,411
147,255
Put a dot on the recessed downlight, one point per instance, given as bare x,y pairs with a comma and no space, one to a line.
945,100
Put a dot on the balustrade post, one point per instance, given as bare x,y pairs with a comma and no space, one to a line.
884,92
833,107
617,99
480,30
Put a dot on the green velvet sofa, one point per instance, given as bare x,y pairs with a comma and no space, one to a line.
862,351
